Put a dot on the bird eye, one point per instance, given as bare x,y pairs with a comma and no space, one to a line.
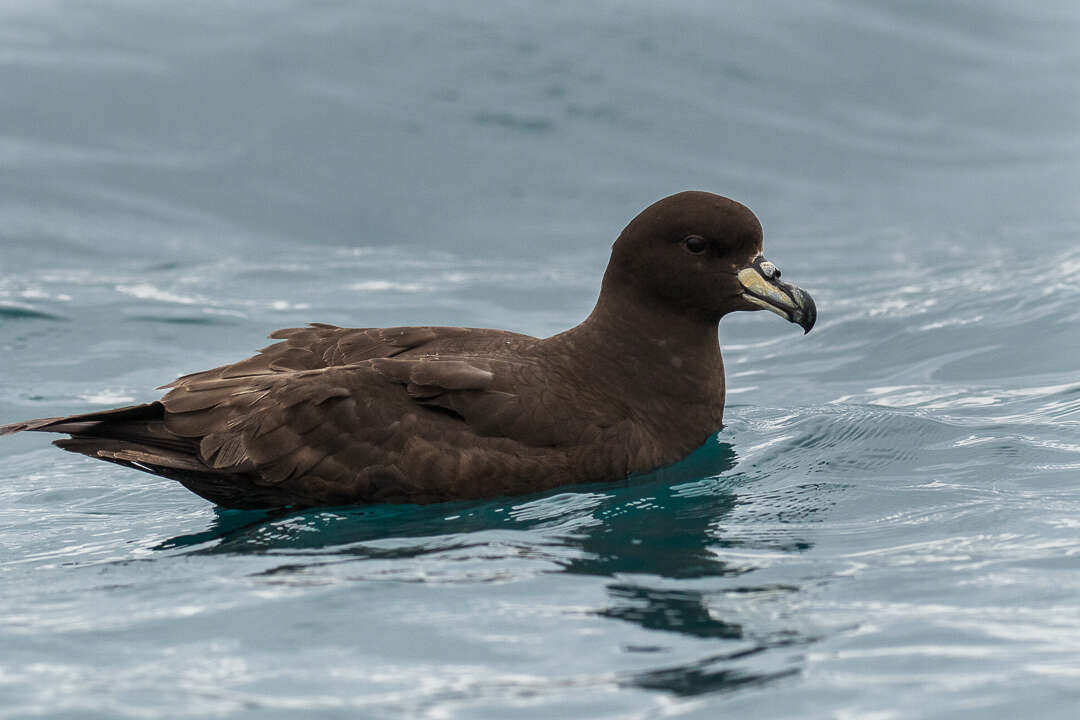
696,244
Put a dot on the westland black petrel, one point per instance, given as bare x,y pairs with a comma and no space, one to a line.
332,416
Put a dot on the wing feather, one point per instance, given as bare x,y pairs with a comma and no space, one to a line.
341,415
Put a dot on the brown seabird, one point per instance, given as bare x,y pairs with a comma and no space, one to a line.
332,416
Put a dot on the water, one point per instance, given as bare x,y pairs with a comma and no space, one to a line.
889,527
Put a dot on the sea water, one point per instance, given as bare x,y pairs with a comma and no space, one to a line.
889,525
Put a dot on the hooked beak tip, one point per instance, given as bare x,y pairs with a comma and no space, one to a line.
808,310
762,287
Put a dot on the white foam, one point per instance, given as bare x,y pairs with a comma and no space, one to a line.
106,397
146,291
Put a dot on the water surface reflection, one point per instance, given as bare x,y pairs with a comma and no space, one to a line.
653,542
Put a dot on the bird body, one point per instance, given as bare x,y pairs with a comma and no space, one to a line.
332,415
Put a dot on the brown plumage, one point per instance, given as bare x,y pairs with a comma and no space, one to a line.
333,415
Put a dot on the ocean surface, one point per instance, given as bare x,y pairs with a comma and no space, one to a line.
889,525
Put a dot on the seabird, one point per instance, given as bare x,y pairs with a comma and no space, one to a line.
333,416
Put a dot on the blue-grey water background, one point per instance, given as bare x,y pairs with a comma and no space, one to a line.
889,527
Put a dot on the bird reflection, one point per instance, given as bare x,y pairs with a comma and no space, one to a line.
648,535
668,531
711,674
676,610
661,525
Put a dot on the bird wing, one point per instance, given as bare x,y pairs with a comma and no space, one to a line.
334,414
322,346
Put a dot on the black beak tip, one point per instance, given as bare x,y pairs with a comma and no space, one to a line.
809,312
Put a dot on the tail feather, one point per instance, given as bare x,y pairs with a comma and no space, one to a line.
136,437
144,457
232,490
147,411
28,425
139,429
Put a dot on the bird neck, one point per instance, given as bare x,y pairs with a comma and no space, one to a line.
643,342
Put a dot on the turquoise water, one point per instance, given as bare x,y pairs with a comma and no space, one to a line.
889,527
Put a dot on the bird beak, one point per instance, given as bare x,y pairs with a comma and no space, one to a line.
762,287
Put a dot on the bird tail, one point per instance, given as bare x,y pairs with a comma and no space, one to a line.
76,424
136,437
